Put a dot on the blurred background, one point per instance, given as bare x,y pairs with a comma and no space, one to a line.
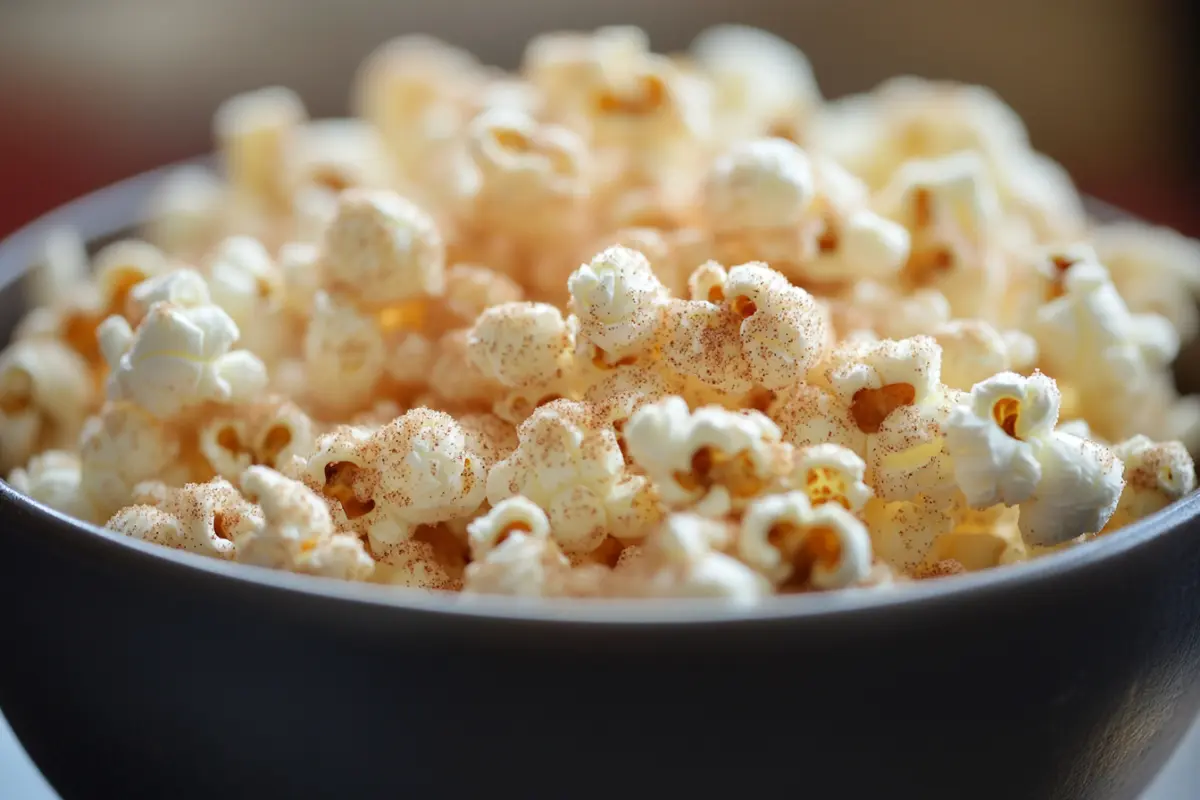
94,90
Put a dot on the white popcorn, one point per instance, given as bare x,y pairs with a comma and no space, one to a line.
951,210
522,565
244,281
713,461
876,378
904,533
862,245
45,394
783,331
521,344
426,475
179,358
972,351
759,184
54,478
1156,271
298,270
996,438
618,301
570,464
382,249
333,155
122,265
831,473
1080,487
122,447
788,540
809,415
681,561
253,131
297,532
183,288
1156,475
344,355
1089,337
512,515
63,263
184,212
205,518
760,80
703,342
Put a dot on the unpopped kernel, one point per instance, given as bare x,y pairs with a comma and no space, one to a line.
616,325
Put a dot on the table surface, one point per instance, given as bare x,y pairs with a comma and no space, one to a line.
20,780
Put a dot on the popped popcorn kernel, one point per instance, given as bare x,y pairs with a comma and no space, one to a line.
1082,482
178,358
618,301
121,447
46,393
683,559
297,533
904,533
121,266
995,437
1156,474
54,478
512,515
795,543
205,518
381,248
831,473
252,132
570,464
713,461
521,344
703,342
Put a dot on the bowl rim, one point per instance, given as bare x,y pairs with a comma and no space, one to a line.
120,206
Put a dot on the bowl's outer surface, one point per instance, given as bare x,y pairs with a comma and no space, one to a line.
130,672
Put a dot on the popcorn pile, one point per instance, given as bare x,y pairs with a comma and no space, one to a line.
620,324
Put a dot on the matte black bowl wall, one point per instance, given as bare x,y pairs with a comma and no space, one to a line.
130,671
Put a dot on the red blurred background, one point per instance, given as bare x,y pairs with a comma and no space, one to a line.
95,90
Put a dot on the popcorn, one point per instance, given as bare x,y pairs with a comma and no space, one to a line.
179,358
515,514
1155,270
904,533
621,325
344,355
712,461
521,344
1156,475
831,473
381,249
252,132
973,351
619,301
787,539
1079,490
571,465
761,82
996,438
951,210
681,560
783,332
183,288
121,447
54,479
269,435
205,518
45,395
297,532
755,197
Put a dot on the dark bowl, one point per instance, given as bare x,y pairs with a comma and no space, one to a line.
133,671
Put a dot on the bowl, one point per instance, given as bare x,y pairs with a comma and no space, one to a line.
135,671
